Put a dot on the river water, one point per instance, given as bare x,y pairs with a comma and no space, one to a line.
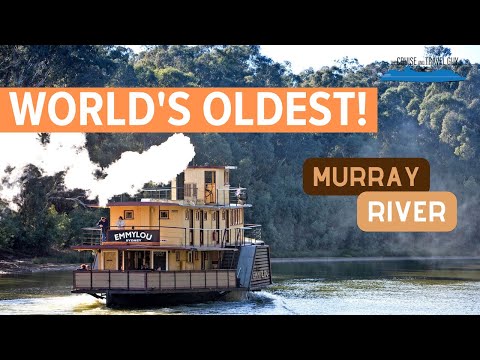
441,286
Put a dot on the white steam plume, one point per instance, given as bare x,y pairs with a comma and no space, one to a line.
160,163
66,151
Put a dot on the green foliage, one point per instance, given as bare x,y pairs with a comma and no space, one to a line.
9,226
45,220
440,51
439,122
171,77
65,65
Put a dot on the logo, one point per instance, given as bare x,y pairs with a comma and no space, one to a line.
411,75
427,61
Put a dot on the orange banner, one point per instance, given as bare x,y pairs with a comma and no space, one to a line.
188,110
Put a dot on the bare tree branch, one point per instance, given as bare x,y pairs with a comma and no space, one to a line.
75,199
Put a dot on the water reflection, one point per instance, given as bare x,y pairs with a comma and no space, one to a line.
356,287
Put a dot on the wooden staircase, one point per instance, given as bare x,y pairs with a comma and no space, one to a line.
229,259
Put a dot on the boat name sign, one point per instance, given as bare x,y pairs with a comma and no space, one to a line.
133,235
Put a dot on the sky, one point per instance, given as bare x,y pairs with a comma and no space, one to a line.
304,56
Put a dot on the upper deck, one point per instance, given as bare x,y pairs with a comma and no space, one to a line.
196,209
197,186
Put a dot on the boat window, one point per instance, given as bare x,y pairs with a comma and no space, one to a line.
128,215
210,177
190,190
190,257
164,214
227,177
137,260
235,216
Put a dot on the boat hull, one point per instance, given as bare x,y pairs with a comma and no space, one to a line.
123,300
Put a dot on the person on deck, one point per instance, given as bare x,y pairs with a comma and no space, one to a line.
120,223
103,224
238,194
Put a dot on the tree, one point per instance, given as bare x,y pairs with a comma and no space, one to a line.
65,65
438,51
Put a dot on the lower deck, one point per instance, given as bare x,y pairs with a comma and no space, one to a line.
245,268
153,281
131,258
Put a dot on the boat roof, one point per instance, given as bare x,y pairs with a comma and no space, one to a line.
229,167
165,203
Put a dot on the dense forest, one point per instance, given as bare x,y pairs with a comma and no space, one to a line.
436,121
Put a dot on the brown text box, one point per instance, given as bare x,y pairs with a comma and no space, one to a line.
342,176
415,211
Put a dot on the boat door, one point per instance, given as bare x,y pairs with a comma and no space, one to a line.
210,187
137,260
217,226
180,189
191,226
160,260
109,260
227,226
202,215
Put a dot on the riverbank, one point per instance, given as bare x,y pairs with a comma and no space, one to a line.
10,264
21,266
18,263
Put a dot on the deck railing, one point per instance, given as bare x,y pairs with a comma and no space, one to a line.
232,196
188,193
249,234
101,281
91,236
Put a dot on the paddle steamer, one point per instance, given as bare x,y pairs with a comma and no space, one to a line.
182,243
